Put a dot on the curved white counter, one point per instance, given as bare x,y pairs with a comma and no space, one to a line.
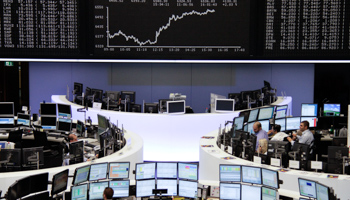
211,157
132,152
166,137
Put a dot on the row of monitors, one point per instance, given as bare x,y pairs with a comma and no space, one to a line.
249,174
238,191
8,121
329,109
120,170
313,189
51,109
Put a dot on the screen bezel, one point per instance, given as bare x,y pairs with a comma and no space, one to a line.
49,104
240,172
262,178
20,116
264,109
109,170
301,109
299,179
97,183
116,180
144,180
186,178
285,114
13,109
245,181
169,103
181,181
81,185
75,175
106,175
54,180
324,113
167,177
217,102
139,164
257,115
64,114
287,123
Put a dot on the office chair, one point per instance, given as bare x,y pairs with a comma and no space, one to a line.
5,157
33,157
16,137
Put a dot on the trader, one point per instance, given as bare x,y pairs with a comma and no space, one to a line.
260,133
306,137
277,134
108,193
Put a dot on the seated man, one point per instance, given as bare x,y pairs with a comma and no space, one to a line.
260,133
277,134
74,138
108,193
306,138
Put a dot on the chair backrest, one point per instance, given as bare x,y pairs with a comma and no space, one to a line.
15,136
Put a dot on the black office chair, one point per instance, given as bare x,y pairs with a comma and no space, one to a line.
5,157
16,137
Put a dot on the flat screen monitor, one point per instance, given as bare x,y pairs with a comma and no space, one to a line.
7,108
292,123
98,171
64,111
281,111
32,152
38,182
166,170
23,119
80,127
102,123
96,190
308,109
113,95
64,125
336,153
322,192
188,189
251,175
169,184
307,188
48,122
250,127
48,109
150,108
245,114
76,152
230,191
250,192
129,96
59,182
97,94
176,107
268,193
119,170
282,123
224,105
312,121
120,188
80,192
266,113
331,109
144,188
238,122
81,175
188,171
6,122
270,178
78,88
145,171
265,125
230,173
253,115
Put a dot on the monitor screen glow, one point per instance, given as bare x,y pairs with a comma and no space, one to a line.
188,189
253,115
322,192
251,175
292,123
308,109
144,188
282,123
166,170
265,125
169,184
80,192
281,111
59,182
120,188
307,188
119,170
250,127
266,113
81,174
145,171
64,125
48,122
270,178
98,171
268,193
96,190
238,122
312,121
250,192
230,191
331,109
64,111
230,173
23,119
188,171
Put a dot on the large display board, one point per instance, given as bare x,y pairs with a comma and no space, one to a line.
178,29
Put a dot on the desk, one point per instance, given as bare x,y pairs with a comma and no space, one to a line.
166,137
211,157
132,152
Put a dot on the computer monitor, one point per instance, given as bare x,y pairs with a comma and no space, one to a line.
79,192
282,123
251,174
64,110
238,122
245,114
265,124
59,182
7,122
331,109
188,171
150,108
98,171
96,190
87,92
48,109
253,95
48,122
224,105
145,171
129,96
113,95
135,108
80,127
81,175
166,170
292,123
31,153
188,189
169,184
230,191
23,119
281,111
7,109
38,182
97,94
253,115
312,121
144,188
64,125
308,109
250,192
230,173
268,193
76,152
322,192
119,170
120,188
249,127
269,178
339,141
336,153
78,88
266,113
102,123
176,107
307,188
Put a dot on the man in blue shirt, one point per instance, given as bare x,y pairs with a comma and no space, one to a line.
306,137
260,134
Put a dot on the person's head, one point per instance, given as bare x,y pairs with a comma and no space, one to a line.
72,138
108,193
256,127
304,125
276,128
262,145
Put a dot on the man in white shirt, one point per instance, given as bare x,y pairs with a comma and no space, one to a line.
277,134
